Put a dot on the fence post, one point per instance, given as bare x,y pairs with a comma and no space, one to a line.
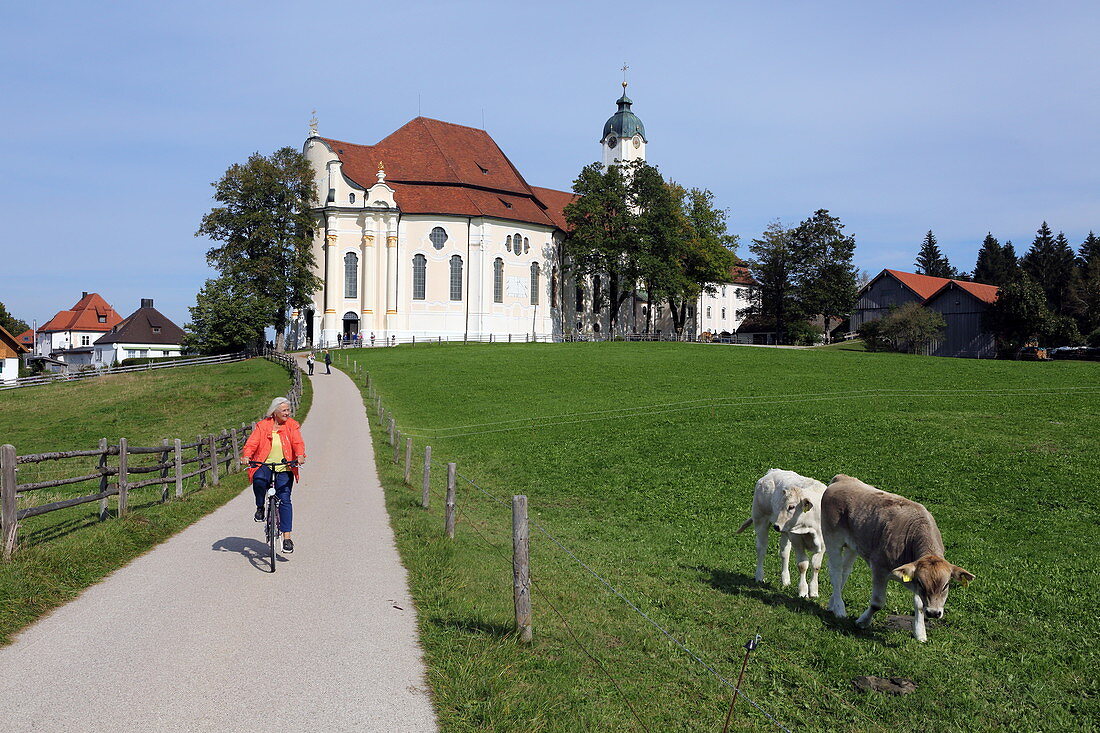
123,487
213,458
164,471
393,432
178,460
521,568
396,447
425,494
224,439
103,479
234,436
198,454
449,513
379,409
408,459
8,503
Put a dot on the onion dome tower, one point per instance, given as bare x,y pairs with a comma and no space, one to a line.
623,137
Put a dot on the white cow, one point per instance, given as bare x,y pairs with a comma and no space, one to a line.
791,505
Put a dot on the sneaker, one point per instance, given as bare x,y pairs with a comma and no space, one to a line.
259,515
288,545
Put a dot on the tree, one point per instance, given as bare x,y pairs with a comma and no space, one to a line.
226,318
1088,287
997,265
11,324
910,327
823,274
1019,314
266,229
1051,263
602,240
931,261
773,266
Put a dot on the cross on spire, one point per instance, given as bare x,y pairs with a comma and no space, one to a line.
625,68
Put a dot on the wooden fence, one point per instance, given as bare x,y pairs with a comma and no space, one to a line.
90,373
168,465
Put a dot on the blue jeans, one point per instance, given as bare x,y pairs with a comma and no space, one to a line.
284,480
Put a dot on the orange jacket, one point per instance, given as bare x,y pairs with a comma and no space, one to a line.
258,445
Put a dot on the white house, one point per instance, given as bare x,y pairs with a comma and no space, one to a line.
69,335
10,351
144,333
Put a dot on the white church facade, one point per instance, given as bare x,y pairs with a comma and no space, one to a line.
434,233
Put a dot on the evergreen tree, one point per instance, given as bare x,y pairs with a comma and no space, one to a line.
11,324
824,274
996,264
1051,263
1089,251
773,266
930,260
266,228
1088,289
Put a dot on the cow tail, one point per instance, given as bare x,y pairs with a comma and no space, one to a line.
744,526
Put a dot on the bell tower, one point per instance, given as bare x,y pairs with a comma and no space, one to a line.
623,138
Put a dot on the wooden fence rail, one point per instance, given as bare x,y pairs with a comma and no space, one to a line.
91,373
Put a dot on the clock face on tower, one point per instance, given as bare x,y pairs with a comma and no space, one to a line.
637,141
612,141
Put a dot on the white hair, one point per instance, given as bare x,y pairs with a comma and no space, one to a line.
275,405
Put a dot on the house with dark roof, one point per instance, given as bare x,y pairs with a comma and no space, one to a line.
10,350
144,333
68,336
433,231
962,304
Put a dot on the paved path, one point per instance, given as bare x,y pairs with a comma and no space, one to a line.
196,636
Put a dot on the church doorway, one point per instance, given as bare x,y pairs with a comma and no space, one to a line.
309,326
351,325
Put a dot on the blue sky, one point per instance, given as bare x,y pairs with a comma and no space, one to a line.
962,118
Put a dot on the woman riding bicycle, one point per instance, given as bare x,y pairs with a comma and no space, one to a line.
262,446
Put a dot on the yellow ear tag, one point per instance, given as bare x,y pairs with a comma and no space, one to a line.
906,578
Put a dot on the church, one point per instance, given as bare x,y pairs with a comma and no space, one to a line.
433,233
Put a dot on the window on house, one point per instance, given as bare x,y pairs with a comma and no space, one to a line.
691,311
534,283
554,288
508,243
580,298
498,280
351,198
438,237
526,245
103,318
723,314
517,243
420,277
456,277
351,275
597,294
156,329
723,291
708,311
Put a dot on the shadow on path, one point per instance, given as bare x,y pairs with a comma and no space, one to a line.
255,551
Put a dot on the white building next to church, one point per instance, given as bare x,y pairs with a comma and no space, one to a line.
433,232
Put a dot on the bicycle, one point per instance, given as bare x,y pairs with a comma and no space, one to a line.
271,521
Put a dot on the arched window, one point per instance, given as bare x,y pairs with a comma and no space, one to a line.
456,277
351,198
438,237
508,243
580,298
420,277
554,288
498,280
351,275
597,293
534,283
526,245
708,311
723,314
517,243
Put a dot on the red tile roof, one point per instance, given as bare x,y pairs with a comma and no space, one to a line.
437,167
740,275
26,338
84,316
927,286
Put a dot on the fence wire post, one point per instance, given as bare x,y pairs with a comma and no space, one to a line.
408,459
393,432
103,479
521,569
177,449
749,647
214,479
9,505
164,470
425,493
449,513
396,446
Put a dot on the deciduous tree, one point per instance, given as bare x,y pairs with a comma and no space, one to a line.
11,324
226,318
266,229
1020,313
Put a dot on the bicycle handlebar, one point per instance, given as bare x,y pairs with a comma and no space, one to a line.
283,462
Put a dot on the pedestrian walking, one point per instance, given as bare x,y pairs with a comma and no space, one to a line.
328,362
372,338
309,363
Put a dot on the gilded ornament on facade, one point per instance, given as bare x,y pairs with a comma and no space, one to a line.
391,241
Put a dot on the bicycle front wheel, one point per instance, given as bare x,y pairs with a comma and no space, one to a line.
272,529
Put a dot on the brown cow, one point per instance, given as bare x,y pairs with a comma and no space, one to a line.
899,540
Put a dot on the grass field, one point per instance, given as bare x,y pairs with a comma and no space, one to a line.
641,458
63,552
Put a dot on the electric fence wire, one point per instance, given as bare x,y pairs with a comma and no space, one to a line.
637,610
526,423
501,551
